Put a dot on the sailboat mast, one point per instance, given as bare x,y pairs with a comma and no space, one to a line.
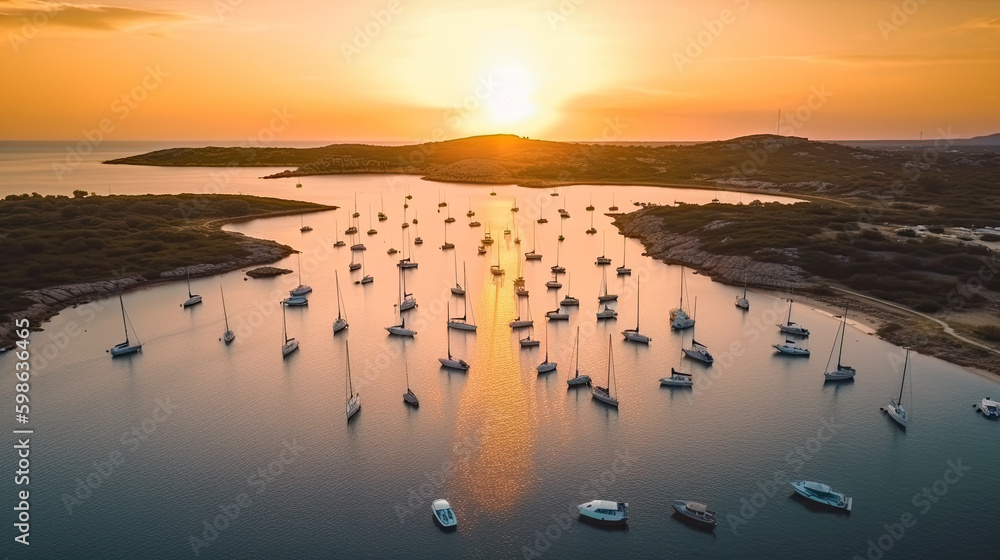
609,361
903,382
578,350
190,295
224,314
124,323
336,275
789,320
284,325
350,387
447,333
637,306
843,335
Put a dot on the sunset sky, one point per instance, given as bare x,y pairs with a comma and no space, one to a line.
556,69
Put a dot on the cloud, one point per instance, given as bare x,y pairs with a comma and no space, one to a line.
93,17
871,60
981,25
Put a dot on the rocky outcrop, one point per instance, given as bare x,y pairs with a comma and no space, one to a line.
675,248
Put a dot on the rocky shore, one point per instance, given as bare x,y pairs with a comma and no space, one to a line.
47,302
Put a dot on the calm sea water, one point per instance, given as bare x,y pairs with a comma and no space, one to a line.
132,457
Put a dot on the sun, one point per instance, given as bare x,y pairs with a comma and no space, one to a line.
509,99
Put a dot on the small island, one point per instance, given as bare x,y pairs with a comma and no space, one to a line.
56,251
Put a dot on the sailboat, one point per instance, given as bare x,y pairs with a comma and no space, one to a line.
446,245
514,208
624,270
400,329
633,334
590,207
556,268
302,289
557,314
365,277
304,228
449,219
561,236
519,323
470,213
341,322
606,312
519,281
371,228
554,284
126,347
458,290
407,261
562,211
417,240
743,302
613,208
409,397
528,342
541,219
577,379
569,300
290,344
532,255
336,229
603,260
356,246
495,269
791,348
450,362
604,296
895,407
406,301
229,335
842,372
441,203
352,229
679,318
461,323
677,378
592,229
605,394
192,298
354,265
381,213
356,214
405,224
791,327
353,399
517,237
546,366
697,351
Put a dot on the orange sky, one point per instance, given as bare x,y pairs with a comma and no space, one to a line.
555,69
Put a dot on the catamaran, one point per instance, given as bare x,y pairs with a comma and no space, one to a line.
229,335
791,327
341,322
633,334
895,407
577,379
679,318
123,348
353,399
609,394
192,298
450,362
842,372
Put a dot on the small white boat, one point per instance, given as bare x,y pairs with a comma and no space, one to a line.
605,394
462,323
791,348
192,298
791,327
546,366
895,408
821,493
605,511
633,334
124,348
353,399
989,407
443,514
341,322
229,335
577,379
677,379
290,344
842,372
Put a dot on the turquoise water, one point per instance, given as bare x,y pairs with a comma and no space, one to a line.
190,429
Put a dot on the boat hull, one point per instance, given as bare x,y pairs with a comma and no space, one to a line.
353,406
228,337
578,381
521,324
840,374
897,413
400,331
822,494
289,346
461,326
704,519
124,349
636,336
700,356
452,363
546,367
601,394
339,325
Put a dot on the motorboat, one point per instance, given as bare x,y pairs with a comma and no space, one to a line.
821,493
443,514
696,512
677,379
605,511
989,407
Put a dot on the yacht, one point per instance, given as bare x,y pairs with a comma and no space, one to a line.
409,397
633,334
443,514
229,335
570,301
458,290
341,322
546,366
462,323
698,351
603,260
741,301
677,379
624,270
823,494
295,301
290,345
696,512
605,511
989,407
301,289
400,329
679,319
520,323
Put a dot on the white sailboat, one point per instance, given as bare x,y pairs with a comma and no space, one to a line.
842,372
458,290
895,407
603,259
365,277
409,397
624,270
229,335
546,366
679,318
450,362
192,298
301,289
570,301
604,296
633,334
400,329
697,351
743,302
341,322
791,327
532,255
381,213
123,348
407,261
406,301
290,344
577,379
462,323
605,312
353,399
609,394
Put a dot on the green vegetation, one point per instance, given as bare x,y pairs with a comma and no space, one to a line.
54,240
